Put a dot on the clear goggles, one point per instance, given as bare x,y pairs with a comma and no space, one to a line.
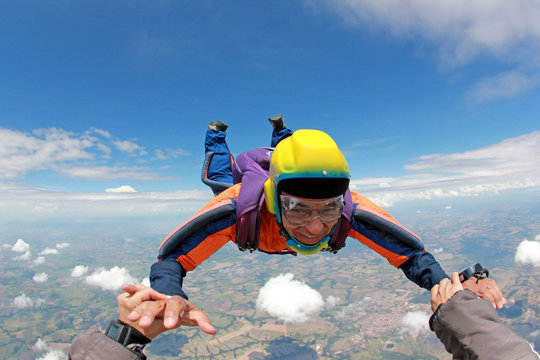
301,212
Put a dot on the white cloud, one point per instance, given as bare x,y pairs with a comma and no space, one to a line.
528,252
121,189
62,245
24,257
511,156
504,85
170,153
79,271
21,152
509,164
49,251
39,260
20,246
22,301
461,31
146,282
112,279
41,345
331,301
438,250
50,353
72,155
354,308
41,277
129,147
415,321
101,132
289,300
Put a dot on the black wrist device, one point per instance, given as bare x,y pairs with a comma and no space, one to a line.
125,334
476,270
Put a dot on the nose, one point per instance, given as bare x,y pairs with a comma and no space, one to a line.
315,226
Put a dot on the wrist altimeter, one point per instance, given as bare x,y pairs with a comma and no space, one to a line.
475,270
125,334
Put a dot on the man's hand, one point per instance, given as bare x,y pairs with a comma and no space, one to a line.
134,296
444,290
158,313
487,289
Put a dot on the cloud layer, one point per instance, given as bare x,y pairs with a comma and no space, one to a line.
509,164
69,154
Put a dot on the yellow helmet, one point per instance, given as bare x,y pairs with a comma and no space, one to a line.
307,164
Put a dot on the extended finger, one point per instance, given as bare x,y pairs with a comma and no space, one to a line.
146,312
196,317
174,310
497,296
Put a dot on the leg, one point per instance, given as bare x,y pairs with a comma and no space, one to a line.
219,168
280,132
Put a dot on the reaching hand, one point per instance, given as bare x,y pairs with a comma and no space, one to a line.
444,290
155,313
487,289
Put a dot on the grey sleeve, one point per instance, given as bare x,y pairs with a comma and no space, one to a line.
94,345
469,328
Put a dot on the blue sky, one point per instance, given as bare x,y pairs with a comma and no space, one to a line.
427,100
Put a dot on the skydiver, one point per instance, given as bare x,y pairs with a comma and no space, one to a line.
292,199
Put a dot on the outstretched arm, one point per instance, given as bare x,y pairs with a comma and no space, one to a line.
469,327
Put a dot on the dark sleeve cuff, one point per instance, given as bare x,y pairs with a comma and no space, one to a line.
424,270
166,277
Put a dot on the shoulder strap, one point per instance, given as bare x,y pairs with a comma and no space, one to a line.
341,230
251,169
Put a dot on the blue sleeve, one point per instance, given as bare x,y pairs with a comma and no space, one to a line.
424,270
166,277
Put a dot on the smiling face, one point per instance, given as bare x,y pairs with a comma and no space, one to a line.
309,220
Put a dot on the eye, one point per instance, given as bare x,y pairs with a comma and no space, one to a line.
331,212
300,213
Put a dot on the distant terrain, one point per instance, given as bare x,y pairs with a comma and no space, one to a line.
366,323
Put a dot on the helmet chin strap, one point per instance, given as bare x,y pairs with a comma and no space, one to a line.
302,248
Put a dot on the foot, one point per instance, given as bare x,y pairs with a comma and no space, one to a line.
277,122
217,125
